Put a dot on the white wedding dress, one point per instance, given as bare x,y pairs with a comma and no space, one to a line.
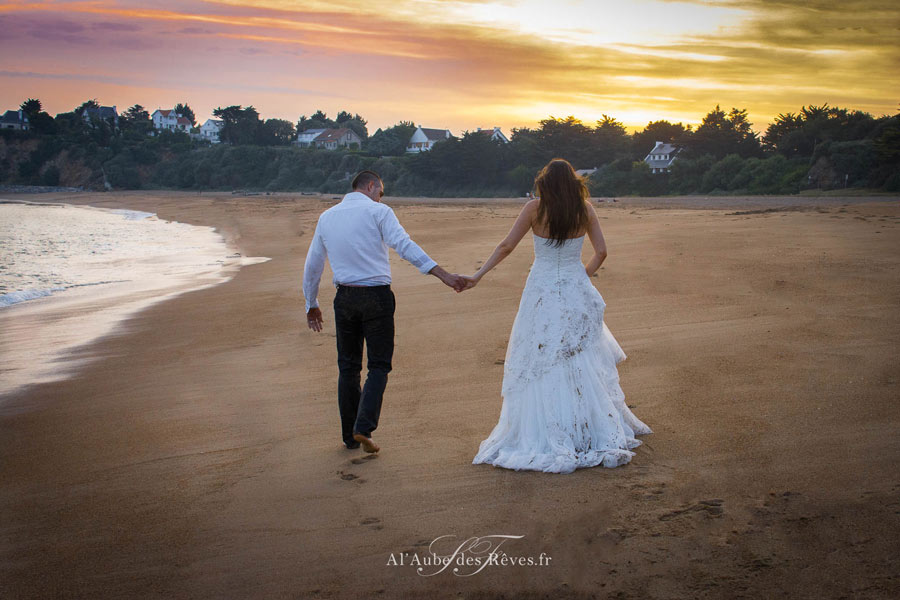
563,408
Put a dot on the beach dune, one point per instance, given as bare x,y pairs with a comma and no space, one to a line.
200,455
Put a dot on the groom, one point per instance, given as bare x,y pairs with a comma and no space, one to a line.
355,235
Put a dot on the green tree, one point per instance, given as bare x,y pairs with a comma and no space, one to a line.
86,105
799,134
185,111
31,107
610,141
278,132
318,120
239,125
391,141
38,120
721,134
135,122
353,122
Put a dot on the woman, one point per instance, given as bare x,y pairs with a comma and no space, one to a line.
562,406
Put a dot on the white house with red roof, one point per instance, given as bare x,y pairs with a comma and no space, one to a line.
169,119
331,139
424,138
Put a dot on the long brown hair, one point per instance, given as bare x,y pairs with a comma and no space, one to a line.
562,200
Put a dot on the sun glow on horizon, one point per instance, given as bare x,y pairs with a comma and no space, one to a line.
460,64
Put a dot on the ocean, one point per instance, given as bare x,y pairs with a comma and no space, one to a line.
70,274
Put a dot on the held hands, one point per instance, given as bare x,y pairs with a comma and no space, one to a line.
450,279
458,282
470,282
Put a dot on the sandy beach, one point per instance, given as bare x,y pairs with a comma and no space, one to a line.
200,455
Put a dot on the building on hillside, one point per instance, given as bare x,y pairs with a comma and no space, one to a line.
168,119
661,157
424,139
210,130
14,119
331,139
306,138
495,134
585,173
102,113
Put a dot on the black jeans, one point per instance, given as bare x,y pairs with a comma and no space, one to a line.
363,313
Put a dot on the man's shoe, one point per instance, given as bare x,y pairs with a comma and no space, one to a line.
367,443
352,445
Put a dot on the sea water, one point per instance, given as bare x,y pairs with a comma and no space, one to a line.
69,274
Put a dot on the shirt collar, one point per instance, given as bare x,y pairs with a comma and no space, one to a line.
356,196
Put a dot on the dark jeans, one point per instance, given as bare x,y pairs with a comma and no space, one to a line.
363,313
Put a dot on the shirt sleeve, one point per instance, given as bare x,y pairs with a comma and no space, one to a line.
395,237
312,270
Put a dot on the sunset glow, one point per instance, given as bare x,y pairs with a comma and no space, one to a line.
455,64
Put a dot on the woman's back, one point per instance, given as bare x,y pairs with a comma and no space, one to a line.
563,260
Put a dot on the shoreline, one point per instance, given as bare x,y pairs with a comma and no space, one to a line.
200,457
699,201
49,335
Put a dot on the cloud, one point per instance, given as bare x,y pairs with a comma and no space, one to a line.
134,44
464,60
197,31
111,26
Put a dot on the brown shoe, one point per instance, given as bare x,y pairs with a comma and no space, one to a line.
367,443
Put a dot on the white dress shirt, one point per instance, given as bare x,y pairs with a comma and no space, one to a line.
355,235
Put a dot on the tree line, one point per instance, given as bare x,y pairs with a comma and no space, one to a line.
818,147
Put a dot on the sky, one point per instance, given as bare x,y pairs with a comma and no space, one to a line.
456,64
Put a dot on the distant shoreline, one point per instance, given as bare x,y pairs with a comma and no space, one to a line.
710,202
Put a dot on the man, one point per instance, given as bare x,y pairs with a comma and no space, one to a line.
355,235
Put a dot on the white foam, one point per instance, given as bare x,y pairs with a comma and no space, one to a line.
24,295
132,215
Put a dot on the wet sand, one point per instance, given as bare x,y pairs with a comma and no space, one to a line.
200,456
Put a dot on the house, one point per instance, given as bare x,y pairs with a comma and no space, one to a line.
661,157
585,173
14,119
424,138
210,130
331,139
305,138
169,119
495,134
101,113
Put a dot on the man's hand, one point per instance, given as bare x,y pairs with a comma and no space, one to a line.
469,282
314,319
457,282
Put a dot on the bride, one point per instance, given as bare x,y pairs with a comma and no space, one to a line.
562,406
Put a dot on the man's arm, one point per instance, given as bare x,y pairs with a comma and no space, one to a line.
395,237
312,273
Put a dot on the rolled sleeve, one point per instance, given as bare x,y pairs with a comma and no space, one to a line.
396,237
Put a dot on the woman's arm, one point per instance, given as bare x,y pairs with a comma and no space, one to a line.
519,229
597,242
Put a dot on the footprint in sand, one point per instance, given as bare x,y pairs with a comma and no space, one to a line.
362,459
375,522
350,477
713,508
